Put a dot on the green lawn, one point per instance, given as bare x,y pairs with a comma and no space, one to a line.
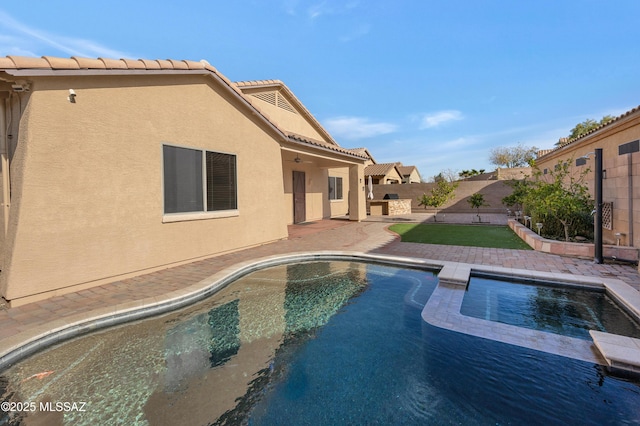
493,236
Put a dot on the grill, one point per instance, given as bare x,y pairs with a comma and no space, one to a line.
390,197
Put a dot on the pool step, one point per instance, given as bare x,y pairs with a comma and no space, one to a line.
619,351
455,273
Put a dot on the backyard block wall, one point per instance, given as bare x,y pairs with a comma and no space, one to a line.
493,190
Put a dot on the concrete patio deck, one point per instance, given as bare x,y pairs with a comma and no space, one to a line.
370,236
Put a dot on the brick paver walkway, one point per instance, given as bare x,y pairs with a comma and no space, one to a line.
368,236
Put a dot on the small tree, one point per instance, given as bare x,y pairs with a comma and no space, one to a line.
564,197
442,192
448,174
512,156
476,201
520,192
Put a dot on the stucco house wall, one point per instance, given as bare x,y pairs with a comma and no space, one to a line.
413,177
278,103
622,183
87,180
286,118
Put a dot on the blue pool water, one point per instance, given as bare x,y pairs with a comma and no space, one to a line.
315,344
555,309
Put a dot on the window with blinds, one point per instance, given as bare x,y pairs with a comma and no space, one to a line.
221,181
335,188
198,181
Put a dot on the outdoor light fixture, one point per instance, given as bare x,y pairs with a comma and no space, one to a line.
72,96
539,226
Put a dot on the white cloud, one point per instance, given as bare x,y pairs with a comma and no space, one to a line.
327,7
317,10
436,119
357,127
31,39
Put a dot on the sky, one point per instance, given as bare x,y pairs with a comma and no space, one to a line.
432,83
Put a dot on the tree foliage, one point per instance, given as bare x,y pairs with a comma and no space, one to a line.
469,173
517,198
448,175
476,201
559,196
584,127
512,156
442,192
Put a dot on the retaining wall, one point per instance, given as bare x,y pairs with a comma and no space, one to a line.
563,248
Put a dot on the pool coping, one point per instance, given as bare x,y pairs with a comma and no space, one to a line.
443,310
453,276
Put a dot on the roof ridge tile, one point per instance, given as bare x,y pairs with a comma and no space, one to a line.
61,63
89,63
114,63
151,64
178,65
165,64
7,63
134,64
29,62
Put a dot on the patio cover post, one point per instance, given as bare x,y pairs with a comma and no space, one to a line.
357,194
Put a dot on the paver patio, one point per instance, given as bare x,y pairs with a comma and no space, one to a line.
370,236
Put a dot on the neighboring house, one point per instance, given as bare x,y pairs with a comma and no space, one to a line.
115,168
382,174
409,174
619,140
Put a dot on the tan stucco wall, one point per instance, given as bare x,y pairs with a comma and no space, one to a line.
340,207
414,177
87,193
615,187
288,120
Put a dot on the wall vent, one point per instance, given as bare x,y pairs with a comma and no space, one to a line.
282,103
275,99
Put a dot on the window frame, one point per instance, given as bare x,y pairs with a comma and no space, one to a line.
204,214
335,185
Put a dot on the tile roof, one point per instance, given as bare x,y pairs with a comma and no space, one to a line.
379,169
78,63
25,66
323,144
364,152
542,153
405,170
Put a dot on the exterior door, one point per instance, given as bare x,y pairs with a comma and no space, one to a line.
299,201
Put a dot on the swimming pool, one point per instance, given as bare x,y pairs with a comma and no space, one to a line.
313,343
569,311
